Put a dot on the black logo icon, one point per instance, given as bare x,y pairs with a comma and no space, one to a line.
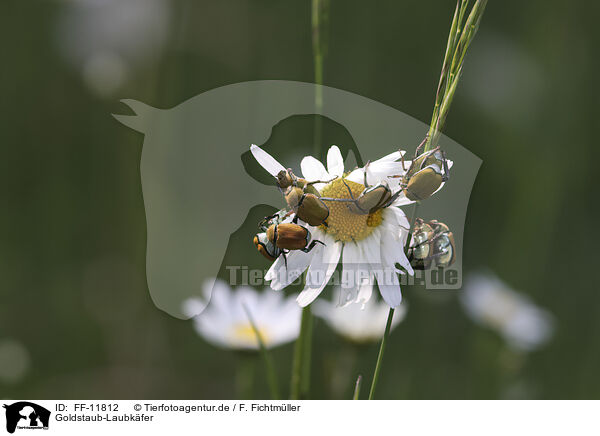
26,415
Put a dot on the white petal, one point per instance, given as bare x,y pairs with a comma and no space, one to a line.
193,306
267,161
389,287
402,200
350,283
392,252
313,170
356,176
322,267
384,170
218,294
366,289
282,275
396,155
371,248
399,216
335,162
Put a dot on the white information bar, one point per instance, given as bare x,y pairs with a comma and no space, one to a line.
288,418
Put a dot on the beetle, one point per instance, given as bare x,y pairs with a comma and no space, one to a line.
432,242
307,206
371,199
303,198
280,238
444,248
290,236
276,218
266,247
425,174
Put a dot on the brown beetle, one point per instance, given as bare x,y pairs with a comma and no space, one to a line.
290,236
280,238
266,247
302,198
371,199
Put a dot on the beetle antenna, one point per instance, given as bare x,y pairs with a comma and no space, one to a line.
341,200
348,187
322,181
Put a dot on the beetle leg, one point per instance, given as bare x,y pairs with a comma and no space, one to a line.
284,258
402,162
311,246
341,200
446,175
366,168
266,219
420,146
321,181
392,199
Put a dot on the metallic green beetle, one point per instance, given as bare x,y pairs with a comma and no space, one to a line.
425,175
432,243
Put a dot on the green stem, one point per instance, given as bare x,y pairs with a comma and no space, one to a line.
306,367
320,19
388,326
300,355
413,218
357,388
270,369
244,378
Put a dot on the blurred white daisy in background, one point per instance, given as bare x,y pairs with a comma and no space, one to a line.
106,40
223,321
492,303
356,322
368,246
14,361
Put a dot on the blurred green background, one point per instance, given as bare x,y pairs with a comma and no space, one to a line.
72,248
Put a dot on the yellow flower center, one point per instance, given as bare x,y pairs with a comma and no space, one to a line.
343,224
245,333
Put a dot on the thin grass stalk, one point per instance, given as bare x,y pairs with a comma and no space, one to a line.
460,37
269,367
299,358
388,324
300,382
307,355
388,327
244,377
320,21
357,386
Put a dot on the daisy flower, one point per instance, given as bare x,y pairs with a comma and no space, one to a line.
369,246
224,323
490,302
358,323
